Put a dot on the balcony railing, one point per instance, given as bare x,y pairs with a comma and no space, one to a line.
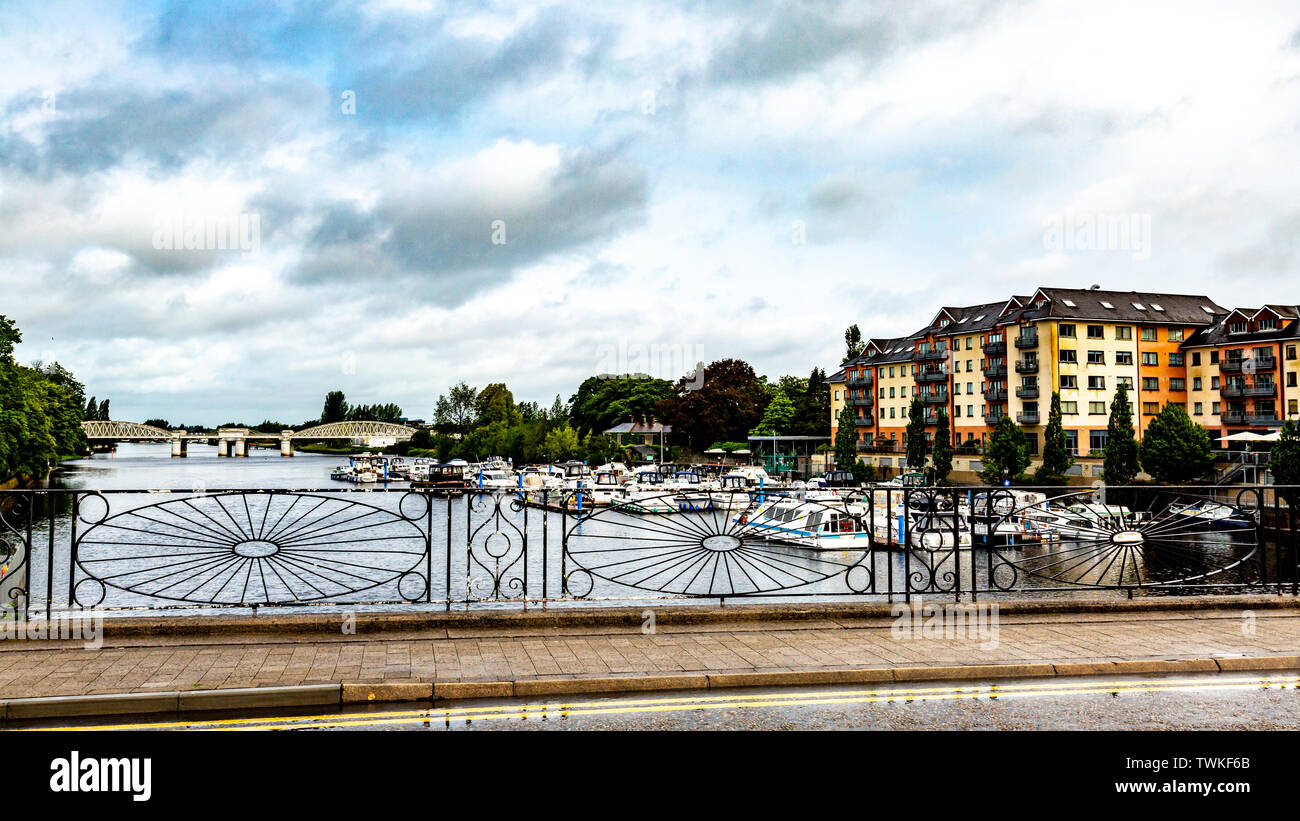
995,348
1265,419
995,394
1027,392
1247,364
1261,390
860,381
1027,340
993,417
932,355
862,401
936,398
931,417
1027,418
865,421
995,370
1027,366
1232,418
922,375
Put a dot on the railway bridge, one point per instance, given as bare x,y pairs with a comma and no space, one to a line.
235,441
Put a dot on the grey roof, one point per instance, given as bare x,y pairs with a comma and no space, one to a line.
1131,306
970,319
1217,334
640,427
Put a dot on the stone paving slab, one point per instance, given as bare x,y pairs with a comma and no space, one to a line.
174,662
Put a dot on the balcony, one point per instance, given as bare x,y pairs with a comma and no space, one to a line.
860,381
994,371
863,401
932,355
1233,418
1263,419
923,375
992,417
1247,364
1260,390
995,393
931,417
1027,340
865,421
1027,392
1027,418
995,348
1027,366
936,398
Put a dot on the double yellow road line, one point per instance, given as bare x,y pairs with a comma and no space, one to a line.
624,706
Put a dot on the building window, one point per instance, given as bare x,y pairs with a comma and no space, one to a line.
1290,379
1071,441
1198,409
1096,357
1150,408
970,410
1175,334
891,413
1096,332
837,394
1069,382
1069,408
1150,358
1097,440
1237,328
902,392
1291,407
1268,324
969,343
891,393
1123,332
1214,383
1196,358
1069,355
1096,408
957,411
1290,352
956,388
1196,383
1123,357
1096,383
1148,334
1176,360
1150,383
1214,408
1214,357
1126,381
1177,383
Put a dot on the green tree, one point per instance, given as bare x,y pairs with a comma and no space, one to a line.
852,342
777,418
814,407
846,438
562,443
103,411
1285,461
864,471
1007,454
600,403
941,455
496,403
1056,456
455,410
335,409
422,439
1121,463
1176,450
91,413
916,446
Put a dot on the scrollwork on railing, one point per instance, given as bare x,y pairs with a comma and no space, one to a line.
16,514
496,546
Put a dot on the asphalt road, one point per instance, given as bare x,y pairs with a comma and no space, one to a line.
1219,702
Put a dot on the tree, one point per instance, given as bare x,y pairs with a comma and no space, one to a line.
941,455
41,411
561,443
814,407
726,405
1056,456
455,410
158,423
1007,454
496,403
777,418
1121,452
1175,450
852,342
1285,461
422,439
91,412
916,448
103,411
864,471
846,438
600,403
335,409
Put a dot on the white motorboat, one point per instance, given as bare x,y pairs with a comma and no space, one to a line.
1210,515
809,524
649,494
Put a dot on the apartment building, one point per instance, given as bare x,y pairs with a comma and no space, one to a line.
985,361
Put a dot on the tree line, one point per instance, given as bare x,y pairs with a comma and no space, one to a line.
41,410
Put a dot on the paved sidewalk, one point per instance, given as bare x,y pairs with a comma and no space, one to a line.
727,651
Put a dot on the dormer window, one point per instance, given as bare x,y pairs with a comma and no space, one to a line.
1268,324
1237,327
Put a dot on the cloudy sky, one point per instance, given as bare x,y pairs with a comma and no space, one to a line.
532,192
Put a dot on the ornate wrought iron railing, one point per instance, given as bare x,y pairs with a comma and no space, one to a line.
70,549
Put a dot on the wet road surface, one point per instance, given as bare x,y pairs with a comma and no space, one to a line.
1222,702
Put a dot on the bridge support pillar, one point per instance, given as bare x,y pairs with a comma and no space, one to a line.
179,446
223,447
286,443
241,447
